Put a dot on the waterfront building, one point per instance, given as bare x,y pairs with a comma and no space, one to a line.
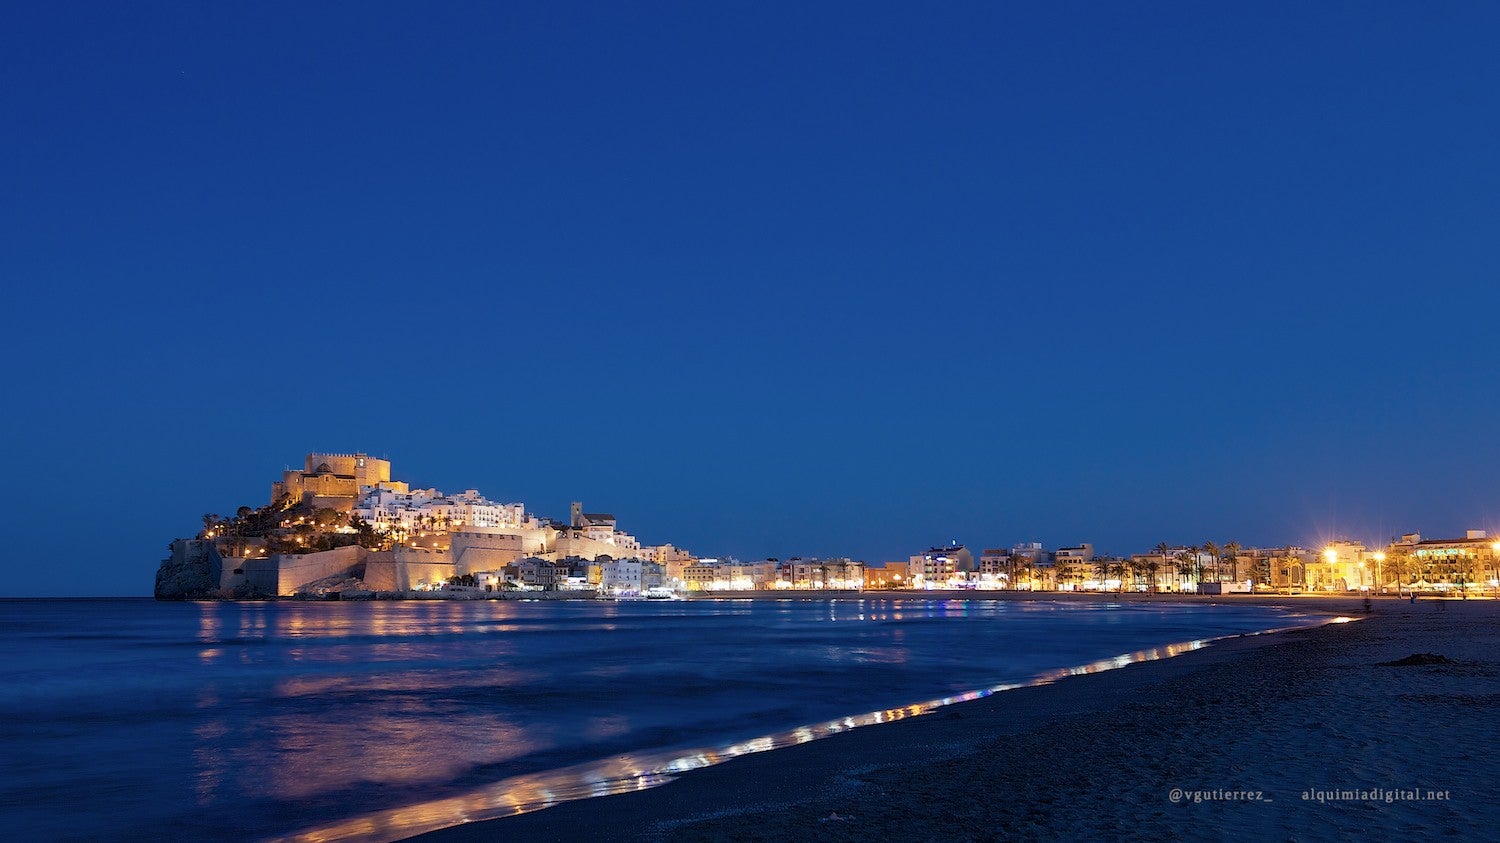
700,576
540,574
622,577
817,574
1342,566
996,569
941,567
887,575
1443,563
1273,567
1072,566
1031,565
653,576
1154,571
722,575
1284,567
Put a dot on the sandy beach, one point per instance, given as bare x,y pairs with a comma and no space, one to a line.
1301,735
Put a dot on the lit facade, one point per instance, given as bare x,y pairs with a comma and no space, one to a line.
941,567
1471,561
1342,566
621,577
424,510
331,479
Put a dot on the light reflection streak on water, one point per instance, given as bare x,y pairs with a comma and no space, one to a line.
626,773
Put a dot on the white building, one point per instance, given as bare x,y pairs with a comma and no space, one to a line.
421,510
996,568
621,577
941,567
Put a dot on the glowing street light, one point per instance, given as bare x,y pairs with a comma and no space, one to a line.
1330,556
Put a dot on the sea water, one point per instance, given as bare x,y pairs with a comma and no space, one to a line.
131,719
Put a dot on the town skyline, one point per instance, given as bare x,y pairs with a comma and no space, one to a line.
344,526
1318,540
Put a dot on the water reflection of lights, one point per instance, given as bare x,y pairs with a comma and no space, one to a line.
627,773
208,623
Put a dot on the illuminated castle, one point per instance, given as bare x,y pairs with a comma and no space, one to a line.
334,480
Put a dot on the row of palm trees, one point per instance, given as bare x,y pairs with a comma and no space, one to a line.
1188,563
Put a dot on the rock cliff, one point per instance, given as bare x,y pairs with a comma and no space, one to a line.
191,573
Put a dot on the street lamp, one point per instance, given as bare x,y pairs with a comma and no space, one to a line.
1330,556
1379,578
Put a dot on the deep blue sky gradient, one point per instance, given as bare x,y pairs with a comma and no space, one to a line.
762,279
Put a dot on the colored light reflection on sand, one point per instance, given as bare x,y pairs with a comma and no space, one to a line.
626,773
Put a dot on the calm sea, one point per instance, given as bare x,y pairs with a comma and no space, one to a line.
133,719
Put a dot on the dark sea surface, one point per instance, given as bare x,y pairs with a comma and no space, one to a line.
131,719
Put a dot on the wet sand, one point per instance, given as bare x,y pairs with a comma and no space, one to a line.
1099,756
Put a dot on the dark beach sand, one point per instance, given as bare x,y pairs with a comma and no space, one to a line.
1098,756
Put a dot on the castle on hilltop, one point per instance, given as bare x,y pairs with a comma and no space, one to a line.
333,480
342,515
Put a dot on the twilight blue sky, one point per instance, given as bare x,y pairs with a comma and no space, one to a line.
762,279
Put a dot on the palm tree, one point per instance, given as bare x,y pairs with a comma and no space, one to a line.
1232,553
1397,563
1151,568
1292,563
1213,553
1163,550
1188,564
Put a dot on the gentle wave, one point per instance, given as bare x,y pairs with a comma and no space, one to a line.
628,773
248,721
